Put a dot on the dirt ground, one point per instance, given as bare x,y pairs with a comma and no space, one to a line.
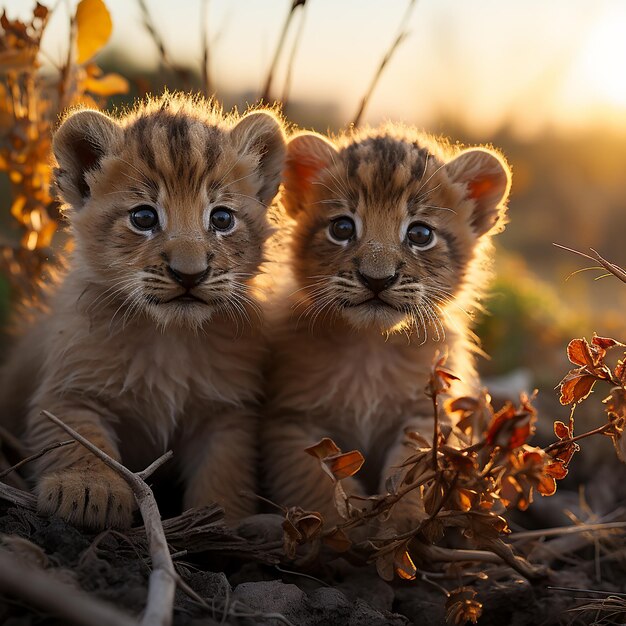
239,577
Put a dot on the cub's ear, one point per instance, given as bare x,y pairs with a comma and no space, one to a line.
261,134
307,155
487,179
79,145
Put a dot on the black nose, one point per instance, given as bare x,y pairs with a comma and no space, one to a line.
376,285
188,281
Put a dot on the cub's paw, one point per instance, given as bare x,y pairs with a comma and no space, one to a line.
87,497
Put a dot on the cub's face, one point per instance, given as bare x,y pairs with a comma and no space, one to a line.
385,230
169,210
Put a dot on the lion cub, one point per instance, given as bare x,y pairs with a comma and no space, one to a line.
151,339
391,235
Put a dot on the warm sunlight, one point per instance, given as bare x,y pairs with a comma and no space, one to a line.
600,69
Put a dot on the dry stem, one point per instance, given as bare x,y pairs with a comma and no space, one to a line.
32,457
614,269
162,585
205,69
400,37
265,94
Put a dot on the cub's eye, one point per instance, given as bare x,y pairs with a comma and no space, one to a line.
222,218
341,229
420,235
144,218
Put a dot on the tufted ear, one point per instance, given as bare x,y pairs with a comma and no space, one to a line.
262,134
79,145
487,179
307,155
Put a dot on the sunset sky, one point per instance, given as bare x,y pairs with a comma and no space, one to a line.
539,64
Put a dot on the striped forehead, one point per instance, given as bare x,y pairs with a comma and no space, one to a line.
380,169
179,151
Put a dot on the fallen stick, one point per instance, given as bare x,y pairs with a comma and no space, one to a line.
18,497
162,585
50,594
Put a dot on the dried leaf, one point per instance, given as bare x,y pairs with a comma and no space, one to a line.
345,465
342,504
299,527
338,541
440,377
576,386
462,607
510,428
385,565
579,353
605,343
94,26
403,564
324,448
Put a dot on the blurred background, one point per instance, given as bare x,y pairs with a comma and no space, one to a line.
543,81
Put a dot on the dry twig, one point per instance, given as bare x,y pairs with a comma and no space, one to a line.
400,37
614,269
18,497
265,94
163,578
32,457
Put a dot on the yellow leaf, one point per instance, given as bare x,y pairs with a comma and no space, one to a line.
93,24
17,207
107,85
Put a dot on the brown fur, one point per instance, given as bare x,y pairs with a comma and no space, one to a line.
113,357
354,370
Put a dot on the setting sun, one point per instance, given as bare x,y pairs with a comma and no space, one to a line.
600,66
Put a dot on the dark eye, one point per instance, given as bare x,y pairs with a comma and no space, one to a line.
420,234
342,229
222,218
144,218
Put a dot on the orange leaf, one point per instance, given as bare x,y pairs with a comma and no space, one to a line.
345,465
403,564
561,430
511,428
605,343
94,27
576,386
579,353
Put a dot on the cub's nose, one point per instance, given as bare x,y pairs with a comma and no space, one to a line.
188,281
376,285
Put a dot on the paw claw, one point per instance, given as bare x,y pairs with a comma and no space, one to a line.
87,497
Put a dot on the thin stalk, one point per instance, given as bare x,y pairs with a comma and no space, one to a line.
265,94
400,37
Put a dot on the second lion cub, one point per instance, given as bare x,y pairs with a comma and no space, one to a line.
392,232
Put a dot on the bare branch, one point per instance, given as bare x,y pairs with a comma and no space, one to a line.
18,497
32,457
205,70
400,37
265,94
292,57
162,585
156,37
614,269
